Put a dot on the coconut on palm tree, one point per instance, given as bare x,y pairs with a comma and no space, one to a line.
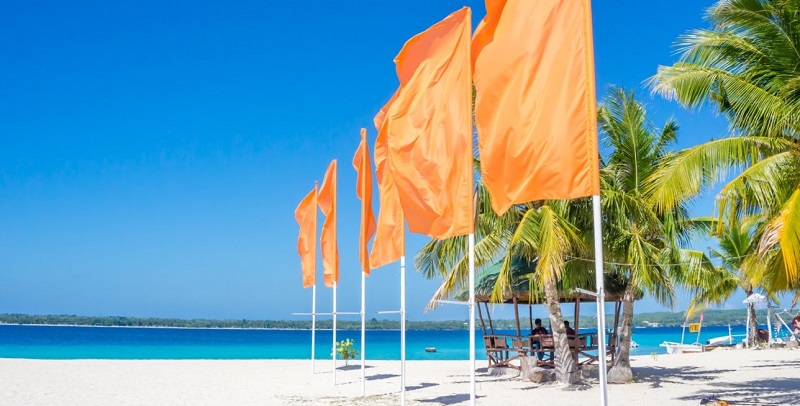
747,66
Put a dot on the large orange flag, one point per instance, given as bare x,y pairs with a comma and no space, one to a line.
363,167
306,215
389,243
428,129
327,203
535,109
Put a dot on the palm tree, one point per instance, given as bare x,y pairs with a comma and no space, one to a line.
736,246
643,245
540,232
747,65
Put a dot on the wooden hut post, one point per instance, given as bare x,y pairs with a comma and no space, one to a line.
530,314
615,332
480,316
577,313
516,316
489,317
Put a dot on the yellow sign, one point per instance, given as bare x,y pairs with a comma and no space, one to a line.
694,327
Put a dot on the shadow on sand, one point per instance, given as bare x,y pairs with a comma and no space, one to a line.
773,391
381,376
655,376
352,367
423,385
449,399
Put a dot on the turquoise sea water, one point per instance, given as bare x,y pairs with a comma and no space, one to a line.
57,342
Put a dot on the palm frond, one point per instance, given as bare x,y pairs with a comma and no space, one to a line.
783,232
684,175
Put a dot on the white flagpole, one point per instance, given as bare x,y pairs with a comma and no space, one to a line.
403,329
471,303
334,333
313,324
769,326
601,305
363,334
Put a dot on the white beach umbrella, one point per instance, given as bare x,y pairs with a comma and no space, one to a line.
757,299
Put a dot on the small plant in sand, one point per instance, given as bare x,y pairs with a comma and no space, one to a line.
345,350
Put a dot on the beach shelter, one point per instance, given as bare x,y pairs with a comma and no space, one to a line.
503,349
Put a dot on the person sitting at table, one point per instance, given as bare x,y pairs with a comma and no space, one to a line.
570,332
539,329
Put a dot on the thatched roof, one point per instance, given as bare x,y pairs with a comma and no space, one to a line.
526,290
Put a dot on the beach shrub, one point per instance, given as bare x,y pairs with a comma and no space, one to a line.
345,350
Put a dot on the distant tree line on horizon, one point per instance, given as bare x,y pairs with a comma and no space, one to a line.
711,317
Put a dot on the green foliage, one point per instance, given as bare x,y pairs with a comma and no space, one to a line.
345,350
747,64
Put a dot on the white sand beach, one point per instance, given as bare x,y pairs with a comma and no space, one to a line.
742,376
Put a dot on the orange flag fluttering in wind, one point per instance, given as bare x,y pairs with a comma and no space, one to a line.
535,109
362,164
327,203
306,215
389,242
427,127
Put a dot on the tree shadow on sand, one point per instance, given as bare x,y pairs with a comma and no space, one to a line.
772,391
792,363
655,376
449,399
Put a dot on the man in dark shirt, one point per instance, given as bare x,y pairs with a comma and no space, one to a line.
570,331
539,329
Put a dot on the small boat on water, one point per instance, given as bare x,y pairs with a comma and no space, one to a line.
681,348
430,349
725,341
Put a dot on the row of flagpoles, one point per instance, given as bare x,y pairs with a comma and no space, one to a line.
532,66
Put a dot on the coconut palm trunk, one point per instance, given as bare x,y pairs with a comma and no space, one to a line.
621,370
752,321
566,367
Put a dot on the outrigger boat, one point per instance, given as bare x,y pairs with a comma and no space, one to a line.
683,348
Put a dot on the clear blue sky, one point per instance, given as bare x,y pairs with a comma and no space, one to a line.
152,153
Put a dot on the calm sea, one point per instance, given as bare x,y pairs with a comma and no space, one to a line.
51,342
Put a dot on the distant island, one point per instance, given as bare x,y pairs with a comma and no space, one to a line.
658,319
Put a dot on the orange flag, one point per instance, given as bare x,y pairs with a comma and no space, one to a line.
535,109
428,129
327,203
389,243
363,167
306,215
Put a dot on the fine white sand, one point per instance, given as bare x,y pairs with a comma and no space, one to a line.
742,376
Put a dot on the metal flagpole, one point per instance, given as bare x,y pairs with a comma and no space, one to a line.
601,296
363,335
471,303
403,329
334,333
769,326
313,324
